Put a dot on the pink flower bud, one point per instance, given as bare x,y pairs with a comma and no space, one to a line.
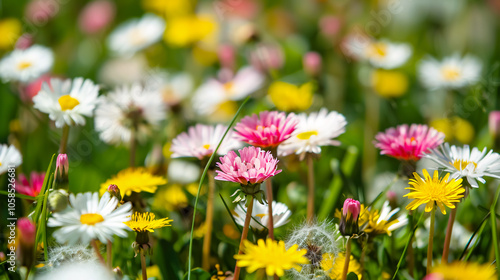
227,56
312,63
267,57
114,191
62,165
351,209
434,276
96,16
27,231
24,42
494,123
39,12
329,25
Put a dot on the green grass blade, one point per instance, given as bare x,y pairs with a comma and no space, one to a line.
479,228
38,197
493,219
44,189
475,243
230,215
407,245
190,254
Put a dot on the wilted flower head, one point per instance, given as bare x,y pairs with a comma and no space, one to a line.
408,142
268,129
31,187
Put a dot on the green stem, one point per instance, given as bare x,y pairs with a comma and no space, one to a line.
64,139
270,224
494,228
109,252
244,234
143,265
209,221
347,259
447,239
431,240
310,184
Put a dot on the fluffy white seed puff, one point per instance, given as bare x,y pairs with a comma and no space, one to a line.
136,34
90,218
67,101
313,131
26,65
452,72
9,157
380,54
78,271
126,107
281,215
464,162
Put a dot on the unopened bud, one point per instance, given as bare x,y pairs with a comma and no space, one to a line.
227,56
58,200
114,191
61,176
350,214
26,231
494,126
312,63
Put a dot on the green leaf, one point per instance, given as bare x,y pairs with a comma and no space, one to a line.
198,274
230,214
44,189
167,260
478,231
407,245
38,197
352,276
207,166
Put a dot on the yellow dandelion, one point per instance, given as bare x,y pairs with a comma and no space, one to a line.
173,197
185,30
289,97
389,83
334,265
433,191
142,222
465,271
270,255
455,128
134,180
10,28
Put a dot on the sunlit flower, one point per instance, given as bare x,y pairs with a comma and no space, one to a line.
26,65
174,197
182,31
129,108
67,102
252,166
32,186
268,129
134,180
173,88
142,222
380,54
136,34
374,222
462,162
270,255
453,72
408,142
334,266
433,191
389,83
201,140
454,128
313,131
89,217
10,28
462,271
260,216
167,8
214,93
289,97
10,157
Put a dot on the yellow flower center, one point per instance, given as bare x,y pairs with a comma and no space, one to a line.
229,88
260,215
462,164
67,102
306,135
260,127
136,37
91,219
0,164
450,73
378,49
23,65
206,146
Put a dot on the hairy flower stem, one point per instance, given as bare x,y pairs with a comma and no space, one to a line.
310,185
209,220
109,252
447,239
143,265
269,194
64,139
347,259
431,240
244,234
97,251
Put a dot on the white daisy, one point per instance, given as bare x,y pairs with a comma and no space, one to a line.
26,65
213,93
380,54
384,222
9,157
453,72
462,162
314,130
260,216
90,218
136,34
201,140
126,107
173,87
67,101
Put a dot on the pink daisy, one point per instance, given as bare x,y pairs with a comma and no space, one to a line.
408,143
201,140
253,166
31,187
268,129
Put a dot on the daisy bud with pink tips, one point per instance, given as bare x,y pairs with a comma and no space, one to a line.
250,168
266,130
